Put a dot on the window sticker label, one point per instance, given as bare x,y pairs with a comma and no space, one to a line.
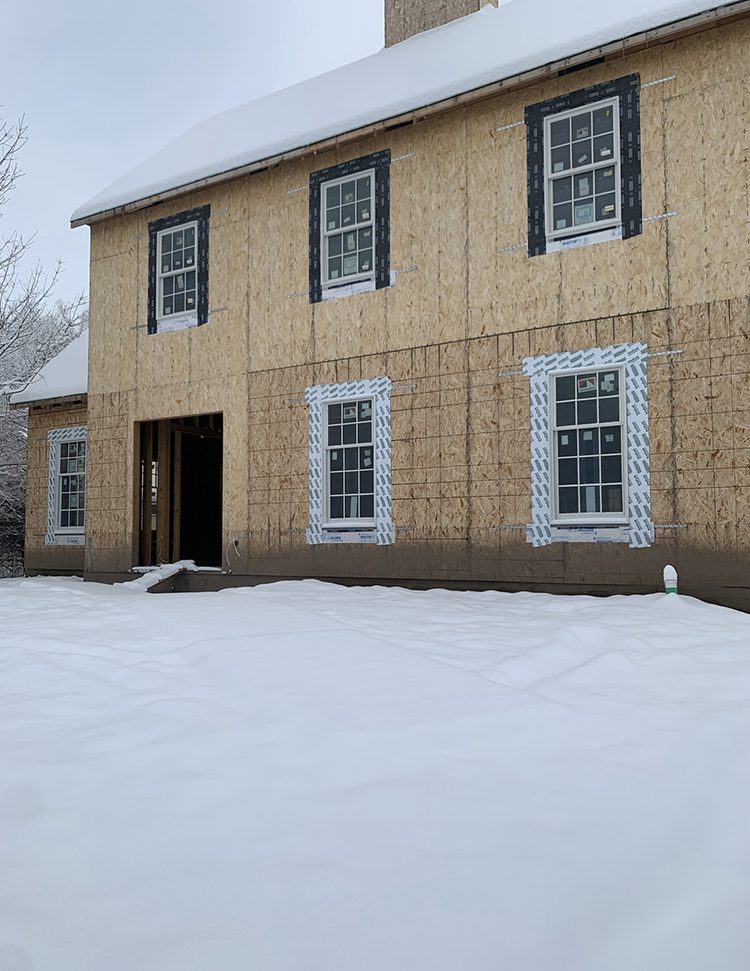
608,382
586,383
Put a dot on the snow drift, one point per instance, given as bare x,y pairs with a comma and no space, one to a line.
309,777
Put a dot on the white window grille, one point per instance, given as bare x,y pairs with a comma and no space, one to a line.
589,446
582,170
176,271
590,479
350,462
66,493
348,229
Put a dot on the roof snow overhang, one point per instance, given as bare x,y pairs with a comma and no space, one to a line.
487,53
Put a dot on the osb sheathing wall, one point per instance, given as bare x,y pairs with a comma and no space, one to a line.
458,225
39,556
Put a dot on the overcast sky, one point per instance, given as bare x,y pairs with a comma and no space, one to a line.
104,85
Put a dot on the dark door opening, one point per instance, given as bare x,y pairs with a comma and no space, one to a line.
180,490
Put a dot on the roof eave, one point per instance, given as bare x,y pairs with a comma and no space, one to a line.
61,401
636,42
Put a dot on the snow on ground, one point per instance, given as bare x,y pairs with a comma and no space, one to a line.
312,778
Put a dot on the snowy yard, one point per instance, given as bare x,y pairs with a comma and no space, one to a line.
312,778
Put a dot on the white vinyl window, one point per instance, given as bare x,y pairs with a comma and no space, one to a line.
176,258
66,497
588,447
71,486
349,463
582,170
348,229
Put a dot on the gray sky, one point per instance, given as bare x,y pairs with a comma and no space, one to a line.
104,85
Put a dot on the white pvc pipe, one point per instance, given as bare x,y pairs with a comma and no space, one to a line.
670,579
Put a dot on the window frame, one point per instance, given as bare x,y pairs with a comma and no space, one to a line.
57,534
637,529
320,287
550,177
627,91
158,323
361,523
160,276
321,528
587,519
326,234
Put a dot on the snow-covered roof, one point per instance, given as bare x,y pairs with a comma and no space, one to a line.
494,44
66,375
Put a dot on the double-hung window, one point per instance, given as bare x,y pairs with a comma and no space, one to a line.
178,271
177,274
589,446
350,462
66,500
584,167
71,485
349,227
590,478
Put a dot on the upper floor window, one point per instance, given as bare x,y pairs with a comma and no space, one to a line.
584,175
178,271
349,227
582,169
178,283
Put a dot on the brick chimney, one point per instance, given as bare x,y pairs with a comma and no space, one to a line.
404,18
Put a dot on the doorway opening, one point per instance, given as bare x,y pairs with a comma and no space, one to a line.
180,490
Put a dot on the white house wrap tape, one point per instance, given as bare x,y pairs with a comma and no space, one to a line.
639,531
379,389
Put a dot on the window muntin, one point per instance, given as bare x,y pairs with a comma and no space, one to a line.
349,463
71,486
348,229
176,271
582,169
588,446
